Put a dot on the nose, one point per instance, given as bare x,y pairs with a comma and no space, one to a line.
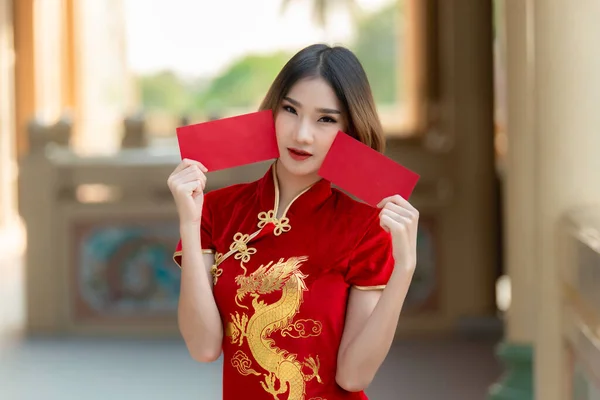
303,133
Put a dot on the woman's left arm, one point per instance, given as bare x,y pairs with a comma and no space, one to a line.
372,316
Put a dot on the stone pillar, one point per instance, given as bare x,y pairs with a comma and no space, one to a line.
38,206
134,132
516,350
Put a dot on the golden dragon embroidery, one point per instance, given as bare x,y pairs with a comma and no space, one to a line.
284,370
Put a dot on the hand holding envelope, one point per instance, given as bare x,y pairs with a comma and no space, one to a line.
250,138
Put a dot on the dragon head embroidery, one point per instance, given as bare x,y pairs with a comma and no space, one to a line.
269,278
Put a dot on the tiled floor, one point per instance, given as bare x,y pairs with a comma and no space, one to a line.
94,369
12,246
148,370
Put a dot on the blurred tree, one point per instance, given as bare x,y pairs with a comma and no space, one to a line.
377,47
322,8
164,91
243,84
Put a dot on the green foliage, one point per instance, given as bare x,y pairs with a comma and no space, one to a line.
377,49
164,91
244,83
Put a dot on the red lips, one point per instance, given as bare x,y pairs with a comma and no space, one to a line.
298,155
299,152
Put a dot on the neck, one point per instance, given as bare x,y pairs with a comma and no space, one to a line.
291,185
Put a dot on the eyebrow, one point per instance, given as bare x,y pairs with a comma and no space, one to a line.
321,110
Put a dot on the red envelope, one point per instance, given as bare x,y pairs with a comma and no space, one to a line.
230,142
364,172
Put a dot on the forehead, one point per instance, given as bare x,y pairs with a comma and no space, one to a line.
314,92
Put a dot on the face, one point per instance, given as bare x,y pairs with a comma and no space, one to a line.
306,124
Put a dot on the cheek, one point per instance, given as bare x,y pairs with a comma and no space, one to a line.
326,140
282,126
278,133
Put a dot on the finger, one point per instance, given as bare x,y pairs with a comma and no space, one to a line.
203,182
390,225
176,183
388,199
189,188
190,173
394,227
179,168
388,222
202,167
396,217
384,223
396,199
194,162
399,210
383,202
182,165
186,162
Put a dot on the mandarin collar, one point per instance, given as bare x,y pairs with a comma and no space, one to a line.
307,201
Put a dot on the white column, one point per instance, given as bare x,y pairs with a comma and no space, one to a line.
520,176
7,115
519,202
567,129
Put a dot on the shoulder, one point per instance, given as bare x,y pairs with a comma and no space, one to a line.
348,205
359,215
230,195
368,246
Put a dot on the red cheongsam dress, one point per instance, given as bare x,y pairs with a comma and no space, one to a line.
282,285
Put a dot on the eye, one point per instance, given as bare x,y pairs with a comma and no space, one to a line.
328,120
289,109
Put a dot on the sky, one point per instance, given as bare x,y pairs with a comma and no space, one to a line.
201,37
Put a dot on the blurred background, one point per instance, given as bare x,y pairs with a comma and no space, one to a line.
493,103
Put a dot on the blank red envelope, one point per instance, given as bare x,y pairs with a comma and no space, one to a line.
364,172
230,142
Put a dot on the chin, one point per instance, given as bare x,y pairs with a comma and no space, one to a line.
303,168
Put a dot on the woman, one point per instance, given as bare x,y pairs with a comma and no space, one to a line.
299,285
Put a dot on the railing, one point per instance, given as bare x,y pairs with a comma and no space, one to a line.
100,234
101,231
580,280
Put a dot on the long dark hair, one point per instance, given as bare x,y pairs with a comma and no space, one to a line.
340,68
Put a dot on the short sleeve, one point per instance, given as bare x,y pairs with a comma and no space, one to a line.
372,262
206,228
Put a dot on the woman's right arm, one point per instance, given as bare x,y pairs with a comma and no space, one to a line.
198,316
